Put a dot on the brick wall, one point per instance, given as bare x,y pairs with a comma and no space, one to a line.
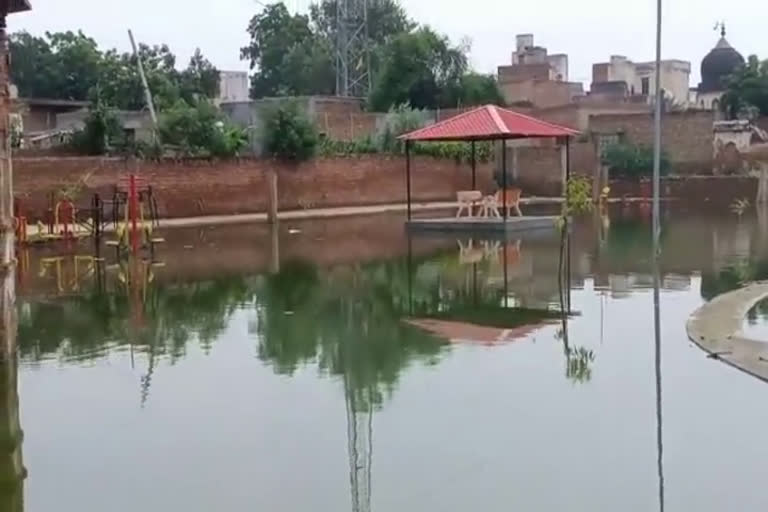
347,126
541,93
200,187
687,136
539,168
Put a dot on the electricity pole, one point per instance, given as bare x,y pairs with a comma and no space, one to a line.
657,134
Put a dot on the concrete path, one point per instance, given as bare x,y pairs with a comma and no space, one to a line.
322,213
716,328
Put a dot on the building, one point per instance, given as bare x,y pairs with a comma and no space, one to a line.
620,78
233,87
39,114
536,79
716,67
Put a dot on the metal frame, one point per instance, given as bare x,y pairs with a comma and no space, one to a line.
353,59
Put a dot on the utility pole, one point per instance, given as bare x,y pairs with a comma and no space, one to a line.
353,59
145,85
657,136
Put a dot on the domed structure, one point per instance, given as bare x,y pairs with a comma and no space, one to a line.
721,62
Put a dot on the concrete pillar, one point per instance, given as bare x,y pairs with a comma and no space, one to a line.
272,198
274,255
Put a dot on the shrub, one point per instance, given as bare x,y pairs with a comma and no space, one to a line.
101,132
200,130
632,161
288,133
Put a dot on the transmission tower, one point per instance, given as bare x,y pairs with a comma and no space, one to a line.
353,59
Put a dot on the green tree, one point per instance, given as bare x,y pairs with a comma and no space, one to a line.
386,19
200,130
287,56
288,133
416,68
473,89
70,66
63,65
747,89
200,79
120,84
101,132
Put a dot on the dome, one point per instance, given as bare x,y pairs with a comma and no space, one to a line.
722,61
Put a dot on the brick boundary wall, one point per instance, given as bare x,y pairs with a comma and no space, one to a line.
188,188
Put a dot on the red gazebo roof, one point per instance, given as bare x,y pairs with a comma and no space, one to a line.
489,123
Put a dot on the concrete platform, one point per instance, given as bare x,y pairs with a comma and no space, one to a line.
512,225
716,328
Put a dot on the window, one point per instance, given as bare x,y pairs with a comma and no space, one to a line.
645,84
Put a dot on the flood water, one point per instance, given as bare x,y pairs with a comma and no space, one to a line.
251,369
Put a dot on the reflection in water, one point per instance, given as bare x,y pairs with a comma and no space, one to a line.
347,319
657,366
12,471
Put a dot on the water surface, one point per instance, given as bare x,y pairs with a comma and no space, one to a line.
264,370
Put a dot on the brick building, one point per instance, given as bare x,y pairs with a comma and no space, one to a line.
535,78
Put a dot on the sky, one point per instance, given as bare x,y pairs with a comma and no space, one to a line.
588,31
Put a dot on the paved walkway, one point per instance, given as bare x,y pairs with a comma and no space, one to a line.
323,213
716,328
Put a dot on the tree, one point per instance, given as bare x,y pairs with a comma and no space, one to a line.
416,68
473,89
747,89
386,19
63,65
200,79
101,132
70,66
288,133
120,84
200,129
287,56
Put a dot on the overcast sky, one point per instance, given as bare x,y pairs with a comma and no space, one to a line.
588,31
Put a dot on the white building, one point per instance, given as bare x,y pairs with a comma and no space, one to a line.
233,87
640,77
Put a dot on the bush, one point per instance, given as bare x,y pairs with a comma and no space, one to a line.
632,161
289,134
101,132
200,130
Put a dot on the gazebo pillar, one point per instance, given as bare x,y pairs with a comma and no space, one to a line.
408,174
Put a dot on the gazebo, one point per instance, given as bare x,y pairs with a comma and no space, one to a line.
487,123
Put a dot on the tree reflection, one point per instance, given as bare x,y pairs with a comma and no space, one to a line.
347,320
87,326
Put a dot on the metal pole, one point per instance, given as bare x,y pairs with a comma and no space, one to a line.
147,92
657,131
506,274
474,167
567,160
408,174
504,178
